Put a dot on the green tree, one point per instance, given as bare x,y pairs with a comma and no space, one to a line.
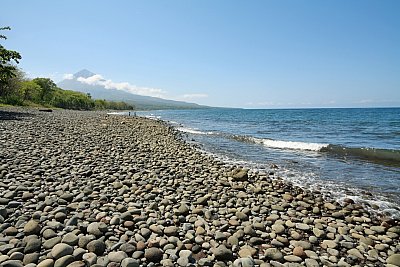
47,88
8,59
30,91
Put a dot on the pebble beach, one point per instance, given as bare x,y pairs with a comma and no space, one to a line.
92,189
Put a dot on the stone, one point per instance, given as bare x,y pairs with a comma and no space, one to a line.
355,252
292,258
302,226
77,264
273,254
153,254
222,253
12,263
242,216
171,231
117,256
52,242
299,251
61,250
183,209
329,206
93,229
97,247
378,229
32,245
311,263
90,258
129,262
393,259
32,228
46,263
70,239
247,251
64,261
244,262
241,176
278,228
30,258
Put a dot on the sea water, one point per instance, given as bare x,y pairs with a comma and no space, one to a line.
343,153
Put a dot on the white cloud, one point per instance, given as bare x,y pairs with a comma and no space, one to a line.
68,76
123,86
194,96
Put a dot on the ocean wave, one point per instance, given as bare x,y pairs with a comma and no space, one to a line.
375,154
293,145
280,144
378,155
192,131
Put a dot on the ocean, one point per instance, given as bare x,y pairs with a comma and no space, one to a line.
343,153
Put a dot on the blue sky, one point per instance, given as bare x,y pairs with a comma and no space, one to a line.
252,54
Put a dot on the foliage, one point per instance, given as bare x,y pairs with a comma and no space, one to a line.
7,60
30,91
47,88
15,89
44,92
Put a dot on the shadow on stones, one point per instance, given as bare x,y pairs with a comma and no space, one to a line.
13,115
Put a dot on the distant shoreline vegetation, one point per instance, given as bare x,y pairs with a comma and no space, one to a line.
17,90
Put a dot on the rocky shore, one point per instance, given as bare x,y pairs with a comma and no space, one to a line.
91,189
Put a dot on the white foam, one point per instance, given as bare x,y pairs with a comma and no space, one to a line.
291,144
190,130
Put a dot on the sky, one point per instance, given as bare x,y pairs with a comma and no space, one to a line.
249,54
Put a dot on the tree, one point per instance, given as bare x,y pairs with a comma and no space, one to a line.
7,60
48,87
30,91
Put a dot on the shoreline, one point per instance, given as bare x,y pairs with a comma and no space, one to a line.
89,188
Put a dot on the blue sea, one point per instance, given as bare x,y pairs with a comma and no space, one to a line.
343,153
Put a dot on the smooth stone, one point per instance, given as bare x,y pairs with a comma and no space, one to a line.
244,262
52,242
311,263
90,258
32,228
117,256
70,239
222,253
153,254
292,258
97,247
12,263
393,259
273,253
64,261
247,251
299,251
302,226
16,256
93,229
46,263
32,245
30,258
129,262
77,264
171,231
61,250
278,228
355,252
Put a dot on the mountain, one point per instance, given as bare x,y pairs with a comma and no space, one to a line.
101,92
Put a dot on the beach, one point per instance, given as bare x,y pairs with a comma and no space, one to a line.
93,189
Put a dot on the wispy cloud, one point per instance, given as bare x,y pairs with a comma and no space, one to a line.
123,86
68,76
194,96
